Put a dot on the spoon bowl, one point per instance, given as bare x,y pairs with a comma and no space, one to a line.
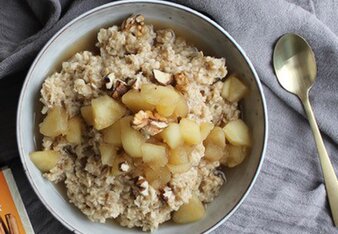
294,63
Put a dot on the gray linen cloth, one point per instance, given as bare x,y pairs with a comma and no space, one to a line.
289,195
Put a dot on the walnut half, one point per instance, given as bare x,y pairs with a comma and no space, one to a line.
149,123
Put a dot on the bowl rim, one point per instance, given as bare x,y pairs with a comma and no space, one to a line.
160,2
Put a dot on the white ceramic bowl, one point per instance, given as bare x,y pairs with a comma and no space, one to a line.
212,38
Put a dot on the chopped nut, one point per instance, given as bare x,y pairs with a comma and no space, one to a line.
119,88
181,81
159,124
134,24
166,193
139,180
93,85
109,80
126,24
149,123
130,81
144,192
82,88
162,77
44,110
139,18
137,84
164,36
221,174
139,33
141,119
105,171
143,185
124,167
220,120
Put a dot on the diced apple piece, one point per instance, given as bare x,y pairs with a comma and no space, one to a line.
87,114
182,108
154,155
178,156
150,93
233,89
225,93
172,135
189,212
190,131
158,177
215,144
216,137
237,90
236,155
55,123
237,133
135,101
156,94
205,129
169,99
45,160
106,111
74,132
108,153
213,152
165,98
165,109
112,134
178,169
132,140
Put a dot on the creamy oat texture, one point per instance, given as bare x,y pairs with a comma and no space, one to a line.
133,51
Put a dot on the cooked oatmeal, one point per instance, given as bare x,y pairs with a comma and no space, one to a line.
106,177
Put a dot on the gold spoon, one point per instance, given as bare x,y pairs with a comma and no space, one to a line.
295,67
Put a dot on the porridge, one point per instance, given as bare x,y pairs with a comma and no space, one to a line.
140,132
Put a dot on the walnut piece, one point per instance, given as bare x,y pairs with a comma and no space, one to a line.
143,185
124,167
137,84
119,88
162,77
166,193
149,123
165,36
134,24
109,80
181,81
220,174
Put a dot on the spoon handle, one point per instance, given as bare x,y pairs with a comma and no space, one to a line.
330,178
